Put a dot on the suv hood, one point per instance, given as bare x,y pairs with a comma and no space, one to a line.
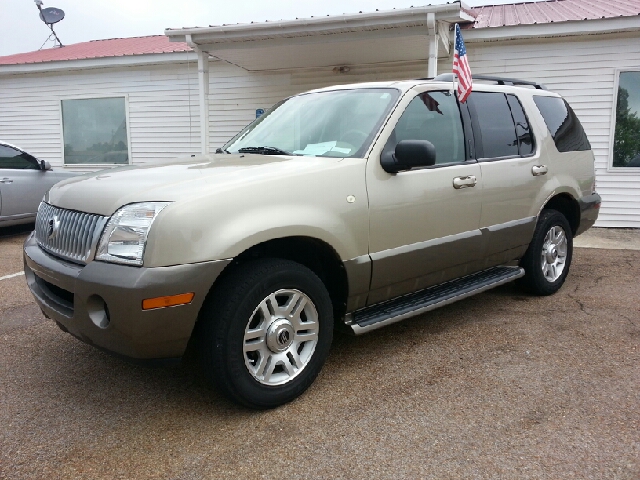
105,191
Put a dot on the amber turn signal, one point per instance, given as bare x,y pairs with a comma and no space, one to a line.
170,301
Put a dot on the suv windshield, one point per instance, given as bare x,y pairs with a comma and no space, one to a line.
338,123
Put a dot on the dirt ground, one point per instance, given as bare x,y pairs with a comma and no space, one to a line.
501,385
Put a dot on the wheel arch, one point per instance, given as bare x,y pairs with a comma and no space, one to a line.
568,206
315,254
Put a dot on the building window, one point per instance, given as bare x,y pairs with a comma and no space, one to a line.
95,131
626,140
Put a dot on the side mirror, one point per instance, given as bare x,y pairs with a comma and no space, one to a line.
409,154
45,165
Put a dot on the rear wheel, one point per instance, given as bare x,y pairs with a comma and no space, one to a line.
266,332
548,258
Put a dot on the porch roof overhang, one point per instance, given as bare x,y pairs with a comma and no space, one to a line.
363,38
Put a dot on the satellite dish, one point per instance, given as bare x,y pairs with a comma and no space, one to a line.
51,15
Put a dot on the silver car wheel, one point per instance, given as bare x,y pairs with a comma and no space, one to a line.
281,337
554,253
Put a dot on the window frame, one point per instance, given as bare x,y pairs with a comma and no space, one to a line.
29,158
612,126
534,142
93,166
465,123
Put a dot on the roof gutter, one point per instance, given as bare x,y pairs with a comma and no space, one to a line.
94,63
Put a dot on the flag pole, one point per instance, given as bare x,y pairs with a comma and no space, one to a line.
453,77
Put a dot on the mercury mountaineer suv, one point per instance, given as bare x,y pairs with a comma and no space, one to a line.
354,206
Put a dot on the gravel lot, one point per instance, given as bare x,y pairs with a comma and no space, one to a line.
501,385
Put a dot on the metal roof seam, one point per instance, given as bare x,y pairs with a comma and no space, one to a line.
584,6
535,6
603,6
636,8
557,7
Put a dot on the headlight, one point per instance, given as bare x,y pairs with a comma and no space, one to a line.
125,236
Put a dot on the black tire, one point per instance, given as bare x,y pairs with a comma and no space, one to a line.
535,281
233,308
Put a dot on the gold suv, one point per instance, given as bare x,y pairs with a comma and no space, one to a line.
354,206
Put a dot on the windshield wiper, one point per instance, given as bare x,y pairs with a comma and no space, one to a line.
264,151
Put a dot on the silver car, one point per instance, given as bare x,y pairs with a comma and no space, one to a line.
23,182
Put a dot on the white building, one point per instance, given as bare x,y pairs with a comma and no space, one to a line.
138,100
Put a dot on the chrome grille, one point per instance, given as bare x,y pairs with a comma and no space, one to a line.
68,234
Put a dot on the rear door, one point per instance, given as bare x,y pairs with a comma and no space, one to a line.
424,222
509,162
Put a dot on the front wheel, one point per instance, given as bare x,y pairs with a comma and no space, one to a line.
266,332
547,260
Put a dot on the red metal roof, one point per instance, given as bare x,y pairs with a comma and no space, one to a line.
114,47
551,12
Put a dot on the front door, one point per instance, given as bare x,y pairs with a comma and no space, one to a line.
424,223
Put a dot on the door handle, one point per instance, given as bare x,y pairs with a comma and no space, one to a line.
464,182
6,180
537,170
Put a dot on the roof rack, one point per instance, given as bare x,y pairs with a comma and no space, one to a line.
448,77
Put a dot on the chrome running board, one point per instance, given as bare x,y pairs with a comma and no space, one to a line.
383,314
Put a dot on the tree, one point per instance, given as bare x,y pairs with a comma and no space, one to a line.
626,142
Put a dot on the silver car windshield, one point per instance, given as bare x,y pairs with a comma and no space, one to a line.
337,123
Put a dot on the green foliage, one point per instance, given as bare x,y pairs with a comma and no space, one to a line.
626,143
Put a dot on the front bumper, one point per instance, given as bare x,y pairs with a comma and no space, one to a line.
589,209
101,303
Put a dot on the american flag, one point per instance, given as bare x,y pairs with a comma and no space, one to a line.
461,67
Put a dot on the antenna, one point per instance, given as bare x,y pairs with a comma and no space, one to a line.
50,16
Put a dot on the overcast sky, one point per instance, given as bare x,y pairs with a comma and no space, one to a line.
23,31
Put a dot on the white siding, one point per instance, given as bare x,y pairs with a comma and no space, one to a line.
583,71
163,108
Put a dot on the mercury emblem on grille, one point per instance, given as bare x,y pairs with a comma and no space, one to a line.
54,226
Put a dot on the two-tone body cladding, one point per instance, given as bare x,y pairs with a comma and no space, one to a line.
358,205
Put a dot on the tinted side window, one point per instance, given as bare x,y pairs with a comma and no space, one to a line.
563,124
12,158
432,116
523,130
497,129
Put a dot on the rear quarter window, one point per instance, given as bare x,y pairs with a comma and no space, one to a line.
563,124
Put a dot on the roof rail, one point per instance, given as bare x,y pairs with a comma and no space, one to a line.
448,77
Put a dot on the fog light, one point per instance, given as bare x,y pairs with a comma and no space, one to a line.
98,312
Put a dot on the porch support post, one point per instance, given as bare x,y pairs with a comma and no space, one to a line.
432,66
203,84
